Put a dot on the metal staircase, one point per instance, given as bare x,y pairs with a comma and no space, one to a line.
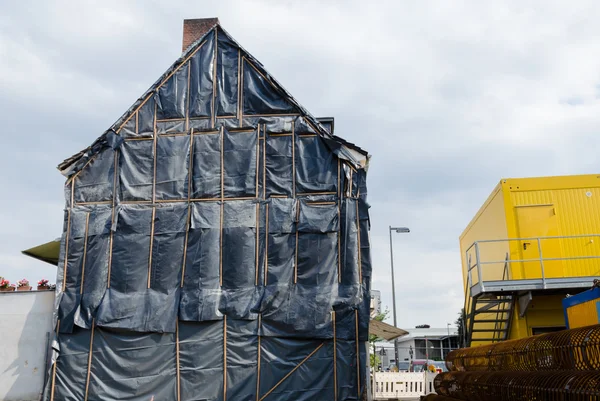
487,317
495,284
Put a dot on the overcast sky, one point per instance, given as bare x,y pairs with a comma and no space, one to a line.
448,97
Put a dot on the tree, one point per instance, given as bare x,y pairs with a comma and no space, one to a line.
375,361
459,322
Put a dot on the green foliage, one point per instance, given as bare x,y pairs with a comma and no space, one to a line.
459,324
375,361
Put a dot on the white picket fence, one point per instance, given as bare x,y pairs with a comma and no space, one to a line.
402,385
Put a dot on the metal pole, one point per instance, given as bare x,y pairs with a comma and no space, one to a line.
541,263
449,340
480,278
394,298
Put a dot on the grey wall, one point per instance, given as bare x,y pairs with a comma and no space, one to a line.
25,321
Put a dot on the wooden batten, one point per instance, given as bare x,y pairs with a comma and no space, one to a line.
185,244
182,64
214,97
315,193
225,358
112,221
257,247
177,361
266,243
257,191
339,234
222,211
85,240
65,268
292,371
264,162
169,120
258,360
357,354
151,246
293,159
335,389
89,368
240,87
358,239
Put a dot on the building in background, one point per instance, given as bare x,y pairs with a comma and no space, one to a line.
533,241
419,343
375,303
26,334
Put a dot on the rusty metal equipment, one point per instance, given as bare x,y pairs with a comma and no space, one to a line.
575,350
517,386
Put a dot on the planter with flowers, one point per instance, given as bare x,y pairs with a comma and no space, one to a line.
43,285
5,285
23,285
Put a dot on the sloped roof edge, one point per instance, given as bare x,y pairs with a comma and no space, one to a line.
47,252
110,138
385,331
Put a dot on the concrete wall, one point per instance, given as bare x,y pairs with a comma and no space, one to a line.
25,324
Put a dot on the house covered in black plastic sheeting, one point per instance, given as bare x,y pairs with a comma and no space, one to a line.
215,245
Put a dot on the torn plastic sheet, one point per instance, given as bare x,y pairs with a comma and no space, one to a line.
215,246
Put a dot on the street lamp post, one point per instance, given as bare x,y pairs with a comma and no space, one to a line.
449,340
398,230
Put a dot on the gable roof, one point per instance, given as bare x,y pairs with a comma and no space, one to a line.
345,150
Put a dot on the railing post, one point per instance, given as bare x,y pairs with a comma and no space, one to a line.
478,259
469,278
541,263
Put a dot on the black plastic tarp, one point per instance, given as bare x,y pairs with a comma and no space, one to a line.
215,246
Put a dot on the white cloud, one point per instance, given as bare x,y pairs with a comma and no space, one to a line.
449,97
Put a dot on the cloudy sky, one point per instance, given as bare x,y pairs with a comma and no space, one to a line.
448,97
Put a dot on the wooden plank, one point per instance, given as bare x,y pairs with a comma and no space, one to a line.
89,369
335,389
292,371
65,268
225,358
85,240
177,360
151,246
266,244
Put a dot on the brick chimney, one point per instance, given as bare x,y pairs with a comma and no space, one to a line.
193,29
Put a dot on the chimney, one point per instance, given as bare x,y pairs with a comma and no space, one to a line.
194,29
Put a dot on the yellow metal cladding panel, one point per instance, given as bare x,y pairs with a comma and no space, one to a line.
552,183
544,311
488,223
584,314
575,201
521,198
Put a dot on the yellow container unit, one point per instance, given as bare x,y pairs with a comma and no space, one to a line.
533,241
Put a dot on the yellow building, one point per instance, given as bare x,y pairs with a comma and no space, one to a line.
533,241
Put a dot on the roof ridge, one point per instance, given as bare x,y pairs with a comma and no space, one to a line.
76,162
